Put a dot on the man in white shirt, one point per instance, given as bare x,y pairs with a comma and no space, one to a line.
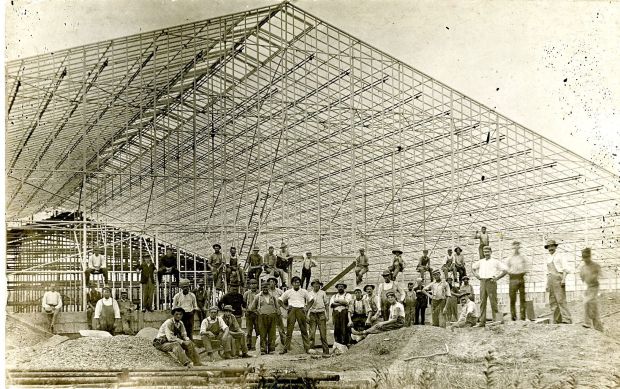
318,314
52,304
517,268
186,300
107,313
172,337
469,314
277,292
96,265
213,329
386,286
306,269
340,313
557,270
394,322
488,270
295,300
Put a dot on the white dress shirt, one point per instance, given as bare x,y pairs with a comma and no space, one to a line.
559,261
489,268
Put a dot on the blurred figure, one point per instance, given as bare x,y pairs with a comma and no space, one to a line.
557,270
590,272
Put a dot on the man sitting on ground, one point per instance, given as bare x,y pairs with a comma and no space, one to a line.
395,321
469,313
52,304
172,337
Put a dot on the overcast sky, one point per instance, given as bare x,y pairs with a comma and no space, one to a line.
552,66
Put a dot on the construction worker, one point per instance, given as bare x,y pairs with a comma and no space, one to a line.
234,299
483,237
295,300
449,266
439,292
488,270
168,265
234,334
284,263
217,265
173,338
459,263
306,269
386,286
361,266
374,313
589,273
398,264
395,321
202,299
277,292
466,288
127,309
255,263
213,329
251,316
421,303
517,269
452,301
146,269
469,313
107,313
268,310
96,265
186,300
557,270
92,296
318,315
409,303
357,311
424,265
52,305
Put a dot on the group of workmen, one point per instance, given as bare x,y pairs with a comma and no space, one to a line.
268,302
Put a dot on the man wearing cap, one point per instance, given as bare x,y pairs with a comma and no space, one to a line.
146,269
467,289
340,306
459,264
213,329
589,273
127,308
284,262
439,292
168,265
318,315
306,269
395,321
357,311
361,266
409,303
234,334
517,268
388,286
424,265
186,300
469,313
295,300
488,270
251,316
268,310
92,296
449,267
173,338
277,293
372,306
216,265
398,264
483,237
52,305
107,313
255,264
557,270
96,265
235,299
421,303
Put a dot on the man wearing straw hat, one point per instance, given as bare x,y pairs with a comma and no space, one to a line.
398,264
173,338
395,321
557,270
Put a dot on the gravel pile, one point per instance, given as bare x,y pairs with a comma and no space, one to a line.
101,353
19,336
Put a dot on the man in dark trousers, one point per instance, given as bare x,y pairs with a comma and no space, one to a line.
202,299
147,279
168,265
268,309
340,313
421,303
234,299
173,338
295,300
251,317
92,296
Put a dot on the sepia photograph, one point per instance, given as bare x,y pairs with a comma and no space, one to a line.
311,194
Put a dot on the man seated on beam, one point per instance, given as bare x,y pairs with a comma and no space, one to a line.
96,265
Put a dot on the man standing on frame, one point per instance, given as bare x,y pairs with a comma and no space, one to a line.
361,266
147,279
488,270
483,237
168,265
217,265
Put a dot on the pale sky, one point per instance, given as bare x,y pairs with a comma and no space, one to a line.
525,48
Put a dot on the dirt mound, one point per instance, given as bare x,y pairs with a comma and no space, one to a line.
19,335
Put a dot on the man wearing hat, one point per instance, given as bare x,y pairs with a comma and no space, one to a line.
424,265
127,308
467,289
234,337
395,321
96,265
361,266
421,302
168,265
398,264
271,260
459,263
268,310
146,268
255,264
439,292
107,313
318,315
202,299
284,262
52,305
295,300
92,296
235,299
388,286
371,305
306,269
186,300
557,270
483,237
234,271
517,268
469,313
173,338
340,307
358,311
213,329
589,273
488,270
251,316
409,303
277,293
449,267
216,265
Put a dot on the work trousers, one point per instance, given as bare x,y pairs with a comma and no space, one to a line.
184,352
462,273
342,333
381,327
210,337
517,285
451,309
148,290
488,288
296,315
251,325
188,322
410,311
90,271
165,270
420,314
557,299
438,317
306,274
318,319
127,324
267,325
237,337
592,316
90,311
470,321
480,251
359,273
